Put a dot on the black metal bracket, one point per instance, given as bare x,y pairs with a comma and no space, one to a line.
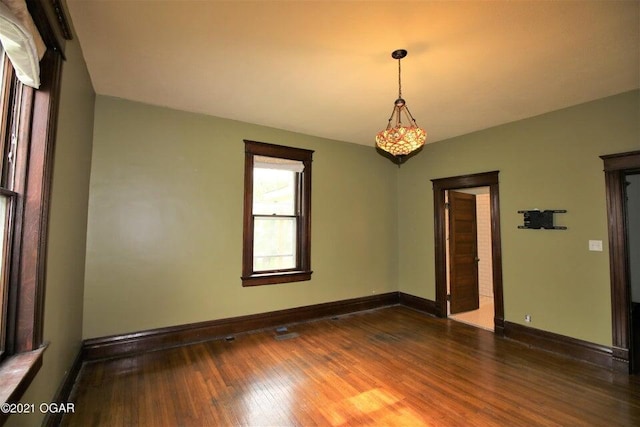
537,219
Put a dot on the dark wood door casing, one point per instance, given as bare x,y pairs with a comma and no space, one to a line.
441,185
616,166
463,253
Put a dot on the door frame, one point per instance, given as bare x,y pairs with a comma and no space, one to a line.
486,179
616,166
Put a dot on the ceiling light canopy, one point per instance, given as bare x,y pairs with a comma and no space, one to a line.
399,139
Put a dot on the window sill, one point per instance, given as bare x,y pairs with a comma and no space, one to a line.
17,372
275,278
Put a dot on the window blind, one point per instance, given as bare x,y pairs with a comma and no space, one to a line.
264,162
21,41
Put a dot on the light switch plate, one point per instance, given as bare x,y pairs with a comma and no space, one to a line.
595,245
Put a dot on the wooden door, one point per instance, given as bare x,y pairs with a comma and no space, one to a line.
463,253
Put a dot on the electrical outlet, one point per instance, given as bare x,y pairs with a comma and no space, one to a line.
527,318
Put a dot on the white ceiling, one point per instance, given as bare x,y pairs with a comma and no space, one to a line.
324,68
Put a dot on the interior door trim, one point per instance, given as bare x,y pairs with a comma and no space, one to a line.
486,179
615,168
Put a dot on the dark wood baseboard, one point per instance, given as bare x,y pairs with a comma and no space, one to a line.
418,303
63,394
556,343
498,326
621,361
173,336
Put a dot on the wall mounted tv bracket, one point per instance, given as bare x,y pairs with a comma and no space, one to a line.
537,219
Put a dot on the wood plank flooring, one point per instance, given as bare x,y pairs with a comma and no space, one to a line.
391,366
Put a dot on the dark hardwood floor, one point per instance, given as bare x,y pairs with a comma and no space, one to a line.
391,366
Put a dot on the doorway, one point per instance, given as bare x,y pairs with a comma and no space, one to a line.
623,216
440,188
468,239
632,190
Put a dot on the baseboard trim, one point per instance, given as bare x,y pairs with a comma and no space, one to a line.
174,336
63,394
578,349
498,326
418,303
621,360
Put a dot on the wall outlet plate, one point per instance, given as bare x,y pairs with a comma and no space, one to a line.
595,245
527,318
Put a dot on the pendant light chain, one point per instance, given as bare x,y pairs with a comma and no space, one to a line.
399,80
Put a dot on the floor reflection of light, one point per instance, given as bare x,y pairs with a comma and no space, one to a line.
268,401
378,405
274,401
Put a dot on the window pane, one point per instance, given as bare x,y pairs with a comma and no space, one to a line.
4,229
273,192
1,62
5,112
274,243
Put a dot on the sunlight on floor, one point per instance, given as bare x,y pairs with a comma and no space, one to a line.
377,404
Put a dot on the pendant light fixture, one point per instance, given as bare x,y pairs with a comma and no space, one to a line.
400,139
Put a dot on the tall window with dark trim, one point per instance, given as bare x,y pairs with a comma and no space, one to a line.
28,120
277,214
8,127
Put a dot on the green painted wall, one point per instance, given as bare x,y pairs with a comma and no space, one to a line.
67,234
547,162
164,233
164,239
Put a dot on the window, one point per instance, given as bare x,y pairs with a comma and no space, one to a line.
8,126
28,120
277,214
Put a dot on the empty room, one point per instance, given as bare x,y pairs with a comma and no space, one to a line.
298,213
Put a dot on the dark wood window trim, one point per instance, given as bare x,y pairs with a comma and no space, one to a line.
616,167
30,266
38,125
302,271
487,179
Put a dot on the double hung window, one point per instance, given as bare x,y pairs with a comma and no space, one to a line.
28,118
277,214
8,130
